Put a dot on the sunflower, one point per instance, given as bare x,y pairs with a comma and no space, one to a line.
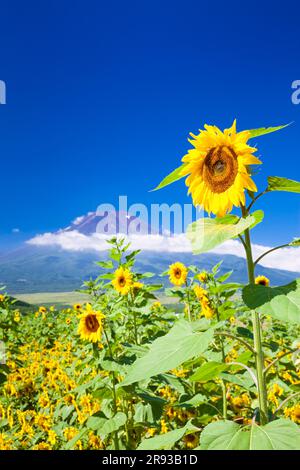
218,169
203,277
77,307
42,309
178,274
206,309
90,326
200,292
262,281
136,287
122,281
191,440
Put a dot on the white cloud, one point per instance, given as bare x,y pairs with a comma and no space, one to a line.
15,230
285,258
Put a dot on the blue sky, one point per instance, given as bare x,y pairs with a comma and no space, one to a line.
101,97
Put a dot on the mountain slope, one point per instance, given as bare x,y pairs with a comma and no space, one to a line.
49,269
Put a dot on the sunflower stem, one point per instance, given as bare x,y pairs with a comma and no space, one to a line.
188,302
257,333
114,382
270,251
224,393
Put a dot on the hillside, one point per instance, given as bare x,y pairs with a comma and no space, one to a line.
32,269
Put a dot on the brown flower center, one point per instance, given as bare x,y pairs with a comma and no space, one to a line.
220,168
92,323
177,273
262,282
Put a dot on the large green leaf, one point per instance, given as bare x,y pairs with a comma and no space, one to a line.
113,424
276,183
209,371
167,440
281,302
281,434
207,233
171,178
265,130
178,346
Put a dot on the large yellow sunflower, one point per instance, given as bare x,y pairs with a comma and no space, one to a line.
178,273
91,325
122,281
218,169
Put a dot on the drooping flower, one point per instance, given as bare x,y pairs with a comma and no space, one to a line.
91,325
122,281
218,169
191,440
178,273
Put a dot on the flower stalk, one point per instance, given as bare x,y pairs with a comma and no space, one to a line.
257,334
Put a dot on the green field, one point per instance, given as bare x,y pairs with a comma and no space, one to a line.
59,299
66,299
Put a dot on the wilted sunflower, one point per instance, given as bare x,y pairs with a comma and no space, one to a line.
262,281
191,440
122,281
218,169
90,326
178,273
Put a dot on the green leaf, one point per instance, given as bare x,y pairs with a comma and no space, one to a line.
113,424
196,400
245,380
295,242
208,371
70,445
276,183
281,302
105,264
167,440
171,178
265,130
96,422
207,233
281,434
169,351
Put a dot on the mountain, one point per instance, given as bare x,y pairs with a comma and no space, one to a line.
50,269
47,268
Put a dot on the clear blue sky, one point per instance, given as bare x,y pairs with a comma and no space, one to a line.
101,97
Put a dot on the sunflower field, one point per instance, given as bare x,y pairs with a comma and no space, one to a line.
218,368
